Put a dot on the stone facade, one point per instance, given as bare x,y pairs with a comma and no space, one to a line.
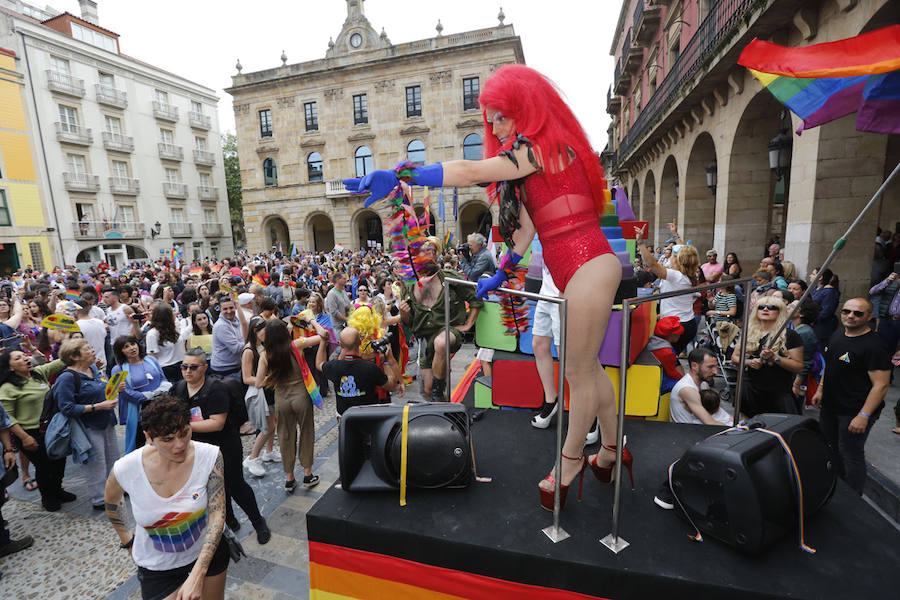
680,113
316,215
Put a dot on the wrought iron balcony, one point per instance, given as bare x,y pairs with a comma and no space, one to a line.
207,193
81,182
199,120
98,230
175,190
170,151
110,96
613,102
65,84
118,142
181,229
212,230
164,111
202,157
124,185
73,134
634,56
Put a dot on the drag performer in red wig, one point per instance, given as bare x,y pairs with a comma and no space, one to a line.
549,180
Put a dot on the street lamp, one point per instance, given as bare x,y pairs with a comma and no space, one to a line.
712,176
155,230
780,150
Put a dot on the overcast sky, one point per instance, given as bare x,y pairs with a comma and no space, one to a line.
568,40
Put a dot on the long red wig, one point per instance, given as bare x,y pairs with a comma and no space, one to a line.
541,115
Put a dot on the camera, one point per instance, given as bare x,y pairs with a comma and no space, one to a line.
463,248
382,345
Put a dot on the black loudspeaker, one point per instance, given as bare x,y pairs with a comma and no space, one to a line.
438,447
739,487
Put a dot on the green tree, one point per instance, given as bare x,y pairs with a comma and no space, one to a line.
233,185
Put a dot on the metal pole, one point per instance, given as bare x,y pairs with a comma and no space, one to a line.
555,532
613,541
739,384
446,337
838,246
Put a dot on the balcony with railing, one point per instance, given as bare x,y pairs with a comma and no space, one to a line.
634,56
181,229
65,84
165,112
118,142
110,96
613,102
98,230
175,190
621,80
81,182
334,188
199,120
212,230
73,134
715,32
124,185
207,193
646,21
202,157
170,151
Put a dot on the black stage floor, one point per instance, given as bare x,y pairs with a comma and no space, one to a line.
494,529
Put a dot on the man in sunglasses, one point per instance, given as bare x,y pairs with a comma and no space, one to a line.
851,392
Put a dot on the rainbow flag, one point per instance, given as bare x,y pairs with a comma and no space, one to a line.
259,280
176,532
195,270
73,295
823,82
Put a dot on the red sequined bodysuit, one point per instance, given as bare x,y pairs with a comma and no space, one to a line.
561,207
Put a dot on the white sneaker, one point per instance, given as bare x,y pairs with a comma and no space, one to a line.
255,466
593,435
273,456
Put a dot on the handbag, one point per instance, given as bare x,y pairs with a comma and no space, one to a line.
235,550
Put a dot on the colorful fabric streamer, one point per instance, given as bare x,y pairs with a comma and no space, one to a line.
823,82
513,309
308,380
407,235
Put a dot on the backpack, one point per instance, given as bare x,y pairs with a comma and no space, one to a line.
51,406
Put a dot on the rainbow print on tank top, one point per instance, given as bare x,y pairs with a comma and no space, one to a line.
176,532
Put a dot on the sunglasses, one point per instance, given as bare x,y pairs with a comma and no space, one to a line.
856,313
767,307
191,368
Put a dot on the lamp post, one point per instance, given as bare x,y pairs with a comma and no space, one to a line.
712,176
155,230
780,150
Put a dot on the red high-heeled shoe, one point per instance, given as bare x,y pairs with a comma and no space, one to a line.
607,474
547,495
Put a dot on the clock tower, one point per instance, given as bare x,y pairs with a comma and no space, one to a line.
357,34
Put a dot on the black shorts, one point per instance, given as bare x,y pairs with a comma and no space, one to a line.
270,396
156,585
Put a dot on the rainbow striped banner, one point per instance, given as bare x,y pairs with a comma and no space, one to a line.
176,532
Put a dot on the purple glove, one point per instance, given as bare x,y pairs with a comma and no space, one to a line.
380,183
489,284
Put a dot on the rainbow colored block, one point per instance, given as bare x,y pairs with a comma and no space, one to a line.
628,228
642,323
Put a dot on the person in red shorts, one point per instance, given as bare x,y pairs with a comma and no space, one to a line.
548,180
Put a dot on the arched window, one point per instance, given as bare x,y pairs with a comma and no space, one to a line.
364,163
472,147
314,167
270,172
415,152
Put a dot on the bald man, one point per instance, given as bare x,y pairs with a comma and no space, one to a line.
354,378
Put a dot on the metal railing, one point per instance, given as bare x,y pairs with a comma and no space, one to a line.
173,189
613,541
212,229
203,157
73,134
118,142
554,531
161,110
110,96
181,229
65,83
170,151
100,230
205,192
717,27
124,185
81,182
198,120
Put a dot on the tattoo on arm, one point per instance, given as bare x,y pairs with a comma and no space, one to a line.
114,501
215,508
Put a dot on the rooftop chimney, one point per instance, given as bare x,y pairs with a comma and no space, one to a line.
89,11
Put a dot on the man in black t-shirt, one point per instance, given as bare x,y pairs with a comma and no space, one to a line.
354,378
851,392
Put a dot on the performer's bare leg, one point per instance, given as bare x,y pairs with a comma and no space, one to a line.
543,360
589,294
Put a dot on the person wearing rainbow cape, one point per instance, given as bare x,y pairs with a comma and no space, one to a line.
548,179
